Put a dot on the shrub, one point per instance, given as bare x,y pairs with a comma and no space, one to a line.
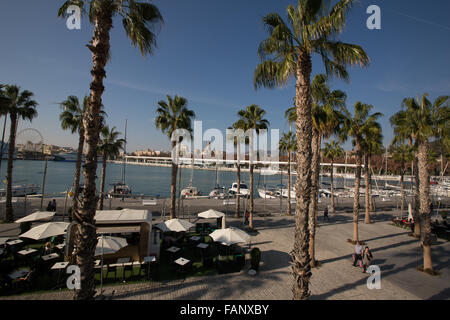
255,255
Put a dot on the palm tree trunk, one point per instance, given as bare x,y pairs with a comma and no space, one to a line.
402,186
314,194
289,183
251,197
356,193
371,205
367,182
87,237
425,213
236,212
76,182
301,268
416,215
9,214
333,210
173,185
102,183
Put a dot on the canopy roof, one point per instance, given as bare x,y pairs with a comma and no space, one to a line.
46,230
211,213
176,225
37,216
122,216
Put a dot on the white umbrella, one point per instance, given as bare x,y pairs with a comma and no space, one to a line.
211,213
37,216
107,245
176,225
230,236
46,230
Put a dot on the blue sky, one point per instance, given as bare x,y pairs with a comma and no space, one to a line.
207,52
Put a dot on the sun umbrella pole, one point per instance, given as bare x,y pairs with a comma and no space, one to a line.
101,272
43,183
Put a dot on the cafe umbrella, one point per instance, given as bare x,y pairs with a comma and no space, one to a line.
108,245
211,213
230,236
46,230
37,216
175,225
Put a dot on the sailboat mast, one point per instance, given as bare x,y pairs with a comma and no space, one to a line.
124,154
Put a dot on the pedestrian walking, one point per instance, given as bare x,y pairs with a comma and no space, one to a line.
247,216
367,258
357,256
325,214
54,205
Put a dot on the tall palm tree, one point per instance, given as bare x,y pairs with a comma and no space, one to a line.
371,145
3,112
72,119
402,153
426,118
312,27
288,144
172,115
19,104
404,130
139,20
325,122
236,141
251,118
332,151
358,126
108,147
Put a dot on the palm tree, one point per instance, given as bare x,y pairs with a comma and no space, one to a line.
288,144
401,154
325,122
251,118
108,147
427,118
371,145
332,151
72,119
404,130
358,126
19,104
236,141
3,112
312,28
139,20
172,115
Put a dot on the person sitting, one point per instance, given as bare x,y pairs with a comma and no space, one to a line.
357,256
48,248
367,258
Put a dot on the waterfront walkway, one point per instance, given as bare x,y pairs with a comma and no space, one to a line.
397,254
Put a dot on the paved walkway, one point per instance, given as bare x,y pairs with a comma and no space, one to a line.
394,251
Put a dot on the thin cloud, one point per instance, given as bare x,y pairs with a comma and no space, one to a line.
161,91
421,20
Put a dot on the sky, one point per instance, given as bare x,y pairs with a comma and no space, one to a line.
207,53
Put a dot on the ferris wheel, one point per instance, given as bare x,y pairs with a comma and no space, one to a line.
30,140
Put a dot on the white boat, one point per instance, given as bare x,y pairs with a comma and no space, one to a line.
119,190
21,190
190,192
218,193
244,190
269,193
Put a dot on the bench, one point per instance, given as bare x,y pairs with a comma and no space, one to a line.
149,202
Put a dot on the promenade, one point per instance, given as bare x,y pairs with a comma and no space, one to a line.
397,254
